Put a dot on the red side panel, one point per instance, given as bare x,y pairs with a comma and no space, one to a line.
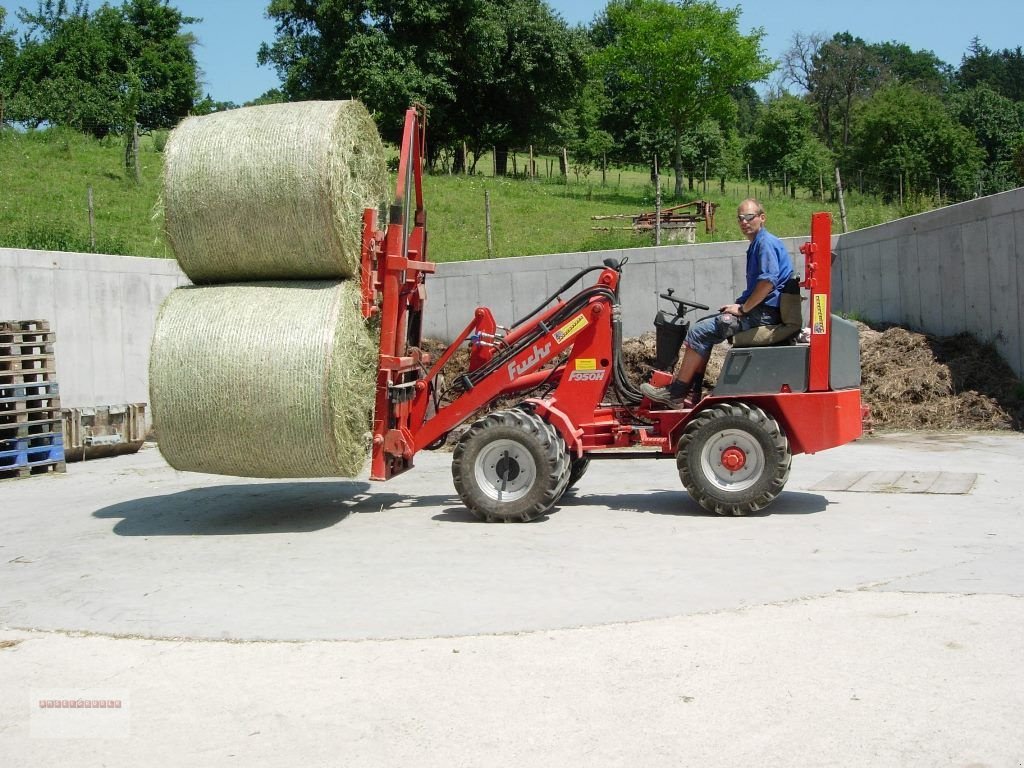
814,421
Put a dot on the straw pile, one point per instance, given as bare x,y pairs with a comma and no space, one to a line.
266,369
275,192
264,380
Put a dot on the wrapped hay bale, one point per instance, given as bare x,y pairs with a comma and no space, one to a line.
273,192
264,380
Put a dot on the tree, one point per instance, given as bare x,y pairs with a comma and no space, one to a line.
844,69
702,148
103,71
580,127
273,96
783,145
520,68
922,69
64,73
1002,71
675,65
907,138
490,72
996,123
154,49
8,54
387,53
798,61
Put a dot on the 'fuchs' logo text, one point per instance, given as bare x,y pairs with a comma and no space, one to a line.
518,369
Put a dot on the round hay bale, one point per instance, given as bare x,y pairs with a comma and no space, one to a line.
264,380
273,192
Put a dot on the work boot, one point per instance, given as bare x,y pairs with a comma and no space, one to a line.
677,395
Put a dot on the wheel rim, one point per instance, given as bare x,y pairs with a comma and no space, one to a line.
732,460
505,470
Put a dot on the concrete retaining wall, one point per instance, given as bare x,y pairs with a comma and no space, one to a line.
960,268
102,308
706,273
956,269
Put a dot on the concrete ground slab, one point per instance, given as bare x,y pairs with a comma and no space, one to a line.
626,628
131,547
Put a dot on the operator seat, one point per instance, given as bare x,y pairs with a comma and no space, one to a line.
771,335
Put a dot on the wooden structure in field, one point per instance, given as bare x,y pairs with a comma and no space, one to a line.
678,222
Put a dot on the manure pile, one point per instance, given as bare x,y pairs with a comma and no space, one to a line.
911,381
266,367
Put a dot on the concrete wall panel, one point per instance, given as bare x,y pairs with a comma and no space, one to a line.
889,275
951,272
929,277
974,243
1018,267
1003,289
958,269
102,309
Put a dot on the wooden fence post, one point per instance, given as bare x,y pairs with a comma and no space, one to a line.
657,203
92,223
487,220
842,202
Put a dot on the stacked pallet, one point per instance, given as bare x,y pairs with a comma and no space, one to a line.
31,437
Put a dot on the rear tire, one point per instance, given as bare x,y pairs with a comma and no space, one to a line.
510,466
734,459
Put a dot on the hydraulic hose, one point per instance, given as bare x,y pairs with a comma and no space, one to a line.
579,276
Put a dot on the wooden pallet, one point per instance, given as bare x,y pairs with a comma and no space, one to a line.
14,473
11,429
24,326
17,345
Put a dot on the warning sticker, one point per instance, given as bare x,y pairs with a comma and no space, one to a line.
586,364
571,328
820,313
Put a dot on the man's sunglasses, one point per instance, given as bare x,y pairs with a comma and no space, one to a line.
748,217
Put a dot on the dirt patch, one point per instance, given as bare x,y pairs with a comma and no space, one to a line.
910,380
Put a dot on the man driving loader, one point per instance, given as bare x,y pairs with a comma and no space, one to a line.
769,267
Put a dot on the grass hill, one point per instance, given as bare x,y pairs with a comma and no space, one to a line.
45,178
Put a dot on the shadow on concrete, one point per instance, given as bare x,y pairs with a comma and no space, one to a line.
463,515
676,503
680,504
229,510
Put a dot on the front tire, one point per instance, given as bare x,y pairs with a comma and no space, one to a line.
510,466
577,469
734,459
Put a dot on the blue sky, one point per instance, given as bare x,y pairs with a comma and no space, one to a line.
232,30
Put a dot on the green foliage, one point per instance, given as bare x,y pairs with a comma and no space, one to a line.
1002,71
995,122
8,52
783,145
520,68
492,72
160,140
908,135
102,71
844,70
673,66
921,69
273,96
